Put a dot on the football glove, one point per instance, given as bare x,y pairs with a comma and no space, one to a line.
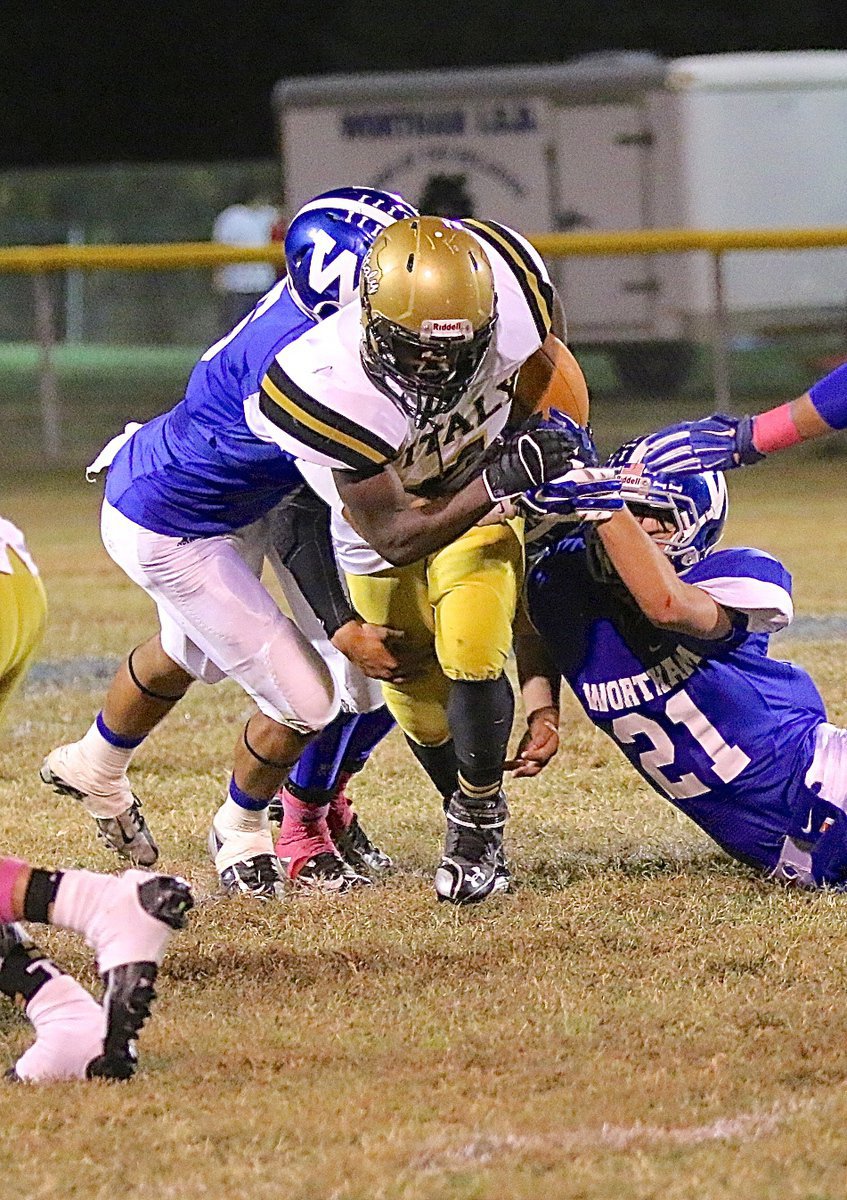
543,450
583,494
716,443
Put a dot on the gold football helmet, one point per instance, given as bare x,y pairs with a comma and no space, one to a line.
428,314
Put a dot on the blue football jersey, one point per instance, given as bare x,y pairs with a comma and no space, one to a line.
721,729
198,469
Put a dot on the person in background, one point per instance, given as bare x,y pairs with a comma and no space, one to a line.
248,222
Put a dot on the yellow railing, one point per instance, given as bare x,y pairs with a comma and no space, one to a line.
41,260
185,255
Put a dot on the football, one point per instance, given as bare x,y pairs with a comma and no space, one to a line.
554,379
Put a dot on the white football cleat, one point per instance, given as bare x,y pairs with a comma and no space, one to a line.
112,804
246,863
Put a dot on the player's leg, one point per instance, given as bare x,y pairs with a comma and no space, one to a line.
474,585
304,845
820,813
94,770
233,628
399,598
218,621
23,615
73,1033
69,1023
351,840
144,690
128,921
313,793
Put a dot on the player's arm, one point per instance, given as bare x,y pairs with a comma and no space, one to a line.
721,442
302,540
665,599
404,530
399,528
540,687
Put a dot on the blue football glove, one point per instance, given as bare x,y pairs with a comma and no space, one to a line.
583,494
585,449
716,443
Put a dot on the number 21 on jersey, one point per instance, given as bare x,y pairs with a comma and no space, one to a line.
726,761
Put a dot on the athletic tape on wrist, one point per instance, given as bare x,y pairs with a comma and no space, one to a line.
775,430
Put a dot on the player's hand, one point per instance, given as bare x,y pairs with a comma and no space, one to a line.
585,494
586,450
538,745
544,449
376,650
716,443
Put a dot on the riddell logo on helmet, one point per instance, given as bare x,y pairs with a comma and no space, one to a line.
632,477
457,327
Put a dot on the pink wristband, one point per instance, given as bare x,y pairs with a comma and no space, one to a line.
10,870
775,430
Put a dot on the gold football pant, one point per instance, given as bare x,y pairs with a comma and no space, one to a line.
456,608
23,612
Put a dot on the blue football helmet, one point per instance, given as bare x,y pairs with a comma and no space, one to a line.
695,506
328,239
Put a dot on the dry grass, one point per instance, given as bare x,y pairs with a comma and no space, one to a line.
640,1018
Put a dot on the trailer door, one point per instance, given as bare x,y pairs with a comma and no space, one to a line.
602,172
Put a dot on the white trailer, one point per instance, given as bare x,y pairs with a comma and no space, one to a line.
610,142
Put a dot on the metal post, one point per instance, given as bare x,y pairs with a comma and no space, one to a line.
720,337
74,292
48,385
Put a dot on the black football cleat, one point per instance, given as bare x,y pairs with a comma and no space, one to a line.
473,866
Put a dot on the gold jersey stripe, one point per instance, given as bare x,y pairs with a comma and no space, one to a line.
534,287
317,426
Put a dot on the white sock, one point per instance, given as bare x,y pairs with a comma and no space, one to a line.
232,818
69,1030
105,761
243,834
79,897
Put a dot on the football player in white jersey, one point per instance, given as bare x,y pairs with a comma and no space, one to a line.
127,921
192,507
395,409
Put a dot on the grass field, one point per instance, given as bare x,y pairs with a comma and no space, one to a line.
640,1018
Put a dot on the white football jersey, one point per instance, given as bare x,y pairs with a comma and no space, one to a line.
317,403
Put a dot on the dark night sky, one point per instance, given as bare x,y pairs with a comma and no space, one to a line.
111,81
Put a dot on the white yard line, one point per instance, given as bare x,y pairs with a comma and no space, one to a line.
487,1148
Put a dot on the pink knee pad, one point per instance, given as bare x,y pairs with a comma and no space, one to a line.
10,870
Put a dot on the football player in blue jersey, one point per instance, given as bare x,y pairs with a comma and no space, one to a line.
721,442
664,640
189,515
